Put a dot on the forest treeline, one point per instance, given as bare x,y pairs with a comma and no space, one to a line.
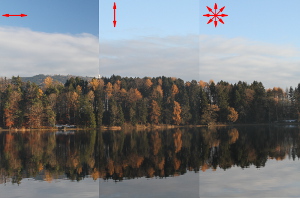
162,100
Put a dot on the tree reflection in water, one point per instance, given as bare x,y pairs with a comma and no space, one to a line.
158,153
120,155
248,145
164,153
48,155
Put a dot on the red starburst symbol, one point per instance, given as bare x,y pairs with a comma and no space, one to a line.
215,15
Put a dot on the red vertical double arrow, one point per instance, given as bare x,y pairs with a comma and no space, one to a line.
115,7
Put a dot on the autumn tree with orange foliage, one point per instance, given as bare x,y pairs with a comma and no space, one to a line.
142,101
176,113
109,89
11,108
232,115
154,112
48,82
175,90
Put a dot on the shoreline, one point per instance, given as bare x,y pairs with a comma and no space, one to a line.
145,127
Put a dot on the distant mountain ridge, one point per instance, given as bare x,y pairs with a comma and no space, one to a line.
38,79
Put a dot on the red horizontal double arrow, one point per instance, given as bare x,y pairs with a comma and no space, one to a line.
215,15
8,15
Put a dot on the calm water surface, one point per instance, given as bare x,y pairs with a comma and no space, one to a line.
159,163
49,164
250,161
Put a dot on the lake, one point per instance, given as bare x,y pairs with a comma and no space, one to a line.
245,161
49,164
250,161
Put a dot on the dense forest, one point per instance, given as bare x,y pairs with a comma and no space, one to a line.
162,100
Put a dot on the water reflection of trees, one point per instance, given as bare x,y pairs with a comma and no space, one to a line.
122,155
47,156
247,146
149,153
173,152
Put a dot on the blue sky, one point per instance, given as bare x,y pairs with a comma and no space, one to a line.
53,16
57,37
271,21
152,38
137,18
259,41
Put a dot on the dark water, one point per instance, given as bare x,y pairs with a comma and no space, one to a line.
250,161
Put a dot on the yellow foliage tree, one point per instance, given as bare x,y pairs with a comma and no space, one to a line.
91,96
148,83
202,84
109,89
233,115
40,93
117,86
159,81
48,82
175,90
176,113
134,95
157,92
154,112
94,83
78,89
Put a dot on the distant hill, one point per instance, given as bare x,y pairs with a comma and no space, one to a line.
38,79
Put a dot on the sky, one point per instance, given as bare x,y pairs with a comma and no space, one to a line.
152,38
57,37
259,41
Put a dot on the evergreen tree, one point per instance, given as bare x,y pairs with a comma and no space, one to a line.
86,113
141,112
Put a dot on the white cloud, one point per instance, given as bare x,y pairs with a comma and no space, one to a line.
175,56
27,53
242,59
202,57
